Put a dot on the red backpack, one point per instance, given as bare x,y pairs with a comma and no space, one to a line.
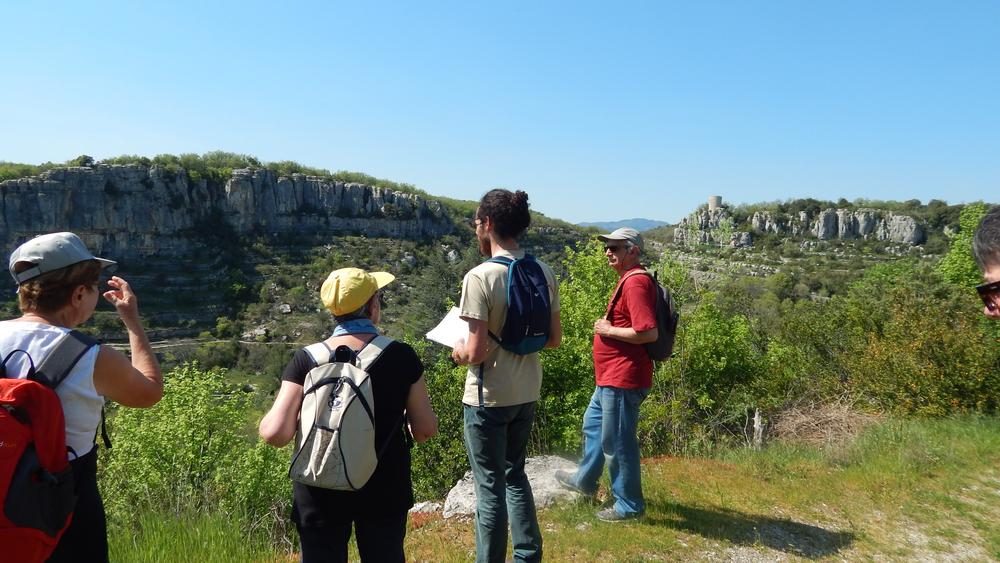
36,481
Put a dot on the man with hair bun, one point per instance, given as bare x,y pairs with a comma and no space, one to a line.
986,249
501,387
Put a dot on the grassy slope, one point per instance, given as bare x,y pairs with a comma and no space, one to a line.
903,491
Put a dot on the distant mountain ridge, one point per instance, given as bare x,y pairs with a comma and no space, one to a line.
637,224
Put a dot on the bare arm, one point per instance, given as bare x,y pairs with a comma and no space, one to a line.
555,332
472,350
278,425
602,327
133,383
423,421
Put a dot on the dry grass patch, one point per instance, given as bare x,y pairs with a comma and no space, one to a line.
821,424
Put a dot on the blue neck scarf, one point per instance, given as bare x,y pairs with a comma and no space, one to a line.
355,326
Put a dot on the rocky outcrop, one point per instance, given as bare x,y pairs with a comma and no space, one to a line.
868,224
901,228
133,211
826,225
710,226
461,500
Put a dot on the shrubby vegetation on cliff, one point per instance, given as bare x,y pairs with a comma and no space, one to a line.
935,213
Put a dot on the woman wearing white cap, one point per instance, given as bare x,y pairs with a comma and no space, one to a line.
378,510
58,288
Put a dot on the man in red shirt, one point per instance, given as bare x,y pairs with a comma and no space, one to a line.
624,374
986,249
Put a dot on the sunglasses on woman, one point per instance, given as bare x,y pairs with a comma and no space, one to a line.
990,294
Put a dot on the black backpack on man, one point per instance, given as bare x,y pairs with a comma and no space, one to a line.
667,317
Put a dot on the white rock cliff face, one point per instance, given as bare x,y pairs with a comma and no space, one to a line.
131,211
870,224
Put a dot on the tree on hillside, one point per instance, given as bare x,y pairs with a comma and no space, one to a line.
569,369
958,266
82,160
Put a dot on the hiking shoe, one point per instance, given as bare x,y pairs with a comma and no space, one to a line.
612,515
567,480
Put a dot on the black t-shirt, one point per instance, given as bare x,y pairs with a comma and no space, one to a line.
390,489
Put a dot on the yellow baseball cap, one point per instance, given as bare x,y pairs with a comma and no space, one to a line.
347,289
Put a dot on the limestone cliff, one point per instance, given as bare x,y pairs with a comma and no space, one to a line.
134,211
191,246
717,226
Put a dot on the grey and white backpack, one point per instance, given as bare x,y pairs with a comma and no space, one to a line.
336,435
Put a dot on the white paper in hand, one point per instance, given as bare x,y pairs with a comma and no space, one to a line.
450,330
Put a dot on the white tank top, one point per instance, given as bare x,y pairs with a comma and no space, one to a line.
80,401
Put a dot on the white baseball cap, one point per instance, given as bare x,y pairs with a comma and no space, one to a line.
49,253
626,234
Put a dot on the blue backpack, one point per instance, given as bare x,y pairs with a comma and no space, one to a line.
529,311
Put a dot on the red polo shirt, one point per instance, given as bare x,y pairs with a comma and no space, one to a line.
618,363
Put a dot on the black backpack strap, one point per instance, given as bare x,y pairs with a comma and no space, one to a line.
621,287
104,433
59,362
31,363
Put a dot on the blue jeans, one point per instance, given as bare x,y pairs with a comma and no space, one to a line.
496,439
609,434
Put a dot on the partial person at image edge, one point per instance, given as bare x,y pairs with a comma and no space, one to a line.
59,282
986,250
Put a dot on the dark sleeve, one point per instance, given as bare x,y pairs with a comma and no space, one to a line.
400,358
296,369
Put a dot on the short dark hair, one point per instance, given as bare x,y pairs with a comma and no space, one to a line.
986,241
51,291
364,312
507,210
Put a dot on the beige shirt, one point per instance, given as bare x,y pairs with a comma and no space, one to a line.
508,378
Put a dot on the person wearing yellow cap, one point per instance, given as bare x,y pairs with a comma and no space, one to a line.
378,511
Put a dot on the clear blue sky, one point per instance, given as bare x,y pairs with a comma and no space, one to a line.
600,111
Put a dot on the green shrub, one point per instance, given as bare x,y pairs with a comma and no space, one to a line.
192,453
927,360
441,461
568,371
958,266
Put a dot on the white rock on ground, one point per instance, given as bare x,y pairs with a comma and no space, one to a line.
461,500
426,506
